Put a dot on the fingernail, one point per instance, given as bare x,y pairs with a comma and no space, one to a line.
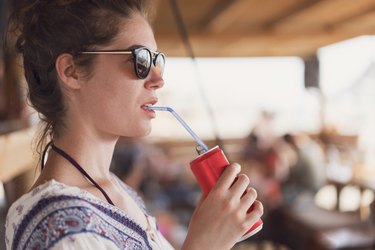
237,167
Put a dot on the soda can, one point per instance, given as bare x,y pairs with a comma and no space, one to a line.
207,169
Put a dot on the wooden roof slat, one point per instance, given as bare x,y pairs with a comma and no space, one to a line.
358,16
229,16
359,25
249,15
214,13
290,12
257,44
324,14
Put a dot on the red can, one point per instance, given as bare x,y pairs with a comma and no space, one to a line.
207,169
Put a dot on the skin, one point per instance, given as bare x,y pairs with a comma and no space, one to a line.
107,105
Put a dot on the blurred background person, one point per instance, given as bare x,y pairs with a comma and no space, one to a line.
307,173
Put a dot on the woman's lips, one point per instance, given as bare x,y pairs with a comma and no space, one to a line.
149,112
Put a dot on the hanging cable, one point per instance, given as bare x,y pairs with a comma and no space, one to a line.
185,38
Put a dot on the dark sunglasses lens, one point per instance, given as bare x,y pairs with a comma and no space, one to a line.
160,63
143,62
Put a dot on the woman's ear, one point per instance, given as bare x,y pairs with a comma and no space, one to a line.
67,71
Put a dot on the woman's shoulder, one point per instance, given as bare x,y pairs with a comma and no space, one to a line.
41,195
44,191
53,211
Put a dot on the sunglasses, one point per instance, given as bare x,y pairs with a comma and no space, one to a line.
143,58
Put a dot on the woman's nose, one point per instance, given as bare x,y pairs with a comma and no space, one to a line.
155,79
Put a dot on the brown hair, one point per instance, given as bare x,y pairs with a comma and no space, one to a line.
46,29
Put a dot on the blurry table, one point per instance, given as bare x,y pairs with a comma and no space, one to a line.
306,226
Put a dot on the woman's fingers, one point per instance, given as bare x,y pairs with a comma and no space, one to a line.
254,215
226,179
240,186
248,199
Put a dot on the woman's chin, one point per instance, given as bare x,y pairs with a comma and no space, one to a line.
141,132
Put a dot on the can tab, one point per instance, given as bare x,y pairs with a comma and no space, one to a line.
200,150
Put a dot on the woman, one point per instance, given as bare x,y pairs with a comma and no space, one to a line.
92,70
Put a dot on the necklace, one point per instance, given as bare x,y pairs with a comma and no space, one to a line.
76,165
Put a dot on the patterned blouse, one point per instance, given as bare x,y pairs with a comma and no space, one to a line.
56,216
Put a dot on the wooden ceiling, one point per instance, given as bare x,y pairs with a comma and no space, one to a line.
227,28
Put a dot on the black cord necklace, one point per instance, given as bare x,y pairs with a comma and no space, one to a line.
76,165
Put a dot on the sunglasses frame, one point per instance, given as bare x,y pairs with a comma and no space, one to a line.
134,52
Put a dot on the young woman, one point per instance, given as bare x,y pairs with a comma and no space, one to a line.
92,69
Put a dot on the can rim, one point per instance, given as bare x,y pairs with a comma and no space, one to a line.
209,152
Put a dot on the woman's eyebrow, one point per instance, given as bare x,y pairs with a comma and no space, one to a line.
135,46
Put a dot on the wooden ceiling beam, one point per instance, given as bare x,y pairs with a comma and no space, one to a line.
228,17
361,25
217,11
292,11
256,44
238,36
323,15
354,18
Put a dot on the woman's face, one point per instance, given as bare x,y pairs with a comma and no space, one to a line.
113,99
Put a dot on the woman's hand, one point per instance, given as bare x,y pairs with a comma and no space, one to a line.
221,218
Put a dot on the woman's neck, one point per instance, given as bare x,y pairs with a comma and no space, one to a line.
92,153
91,149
